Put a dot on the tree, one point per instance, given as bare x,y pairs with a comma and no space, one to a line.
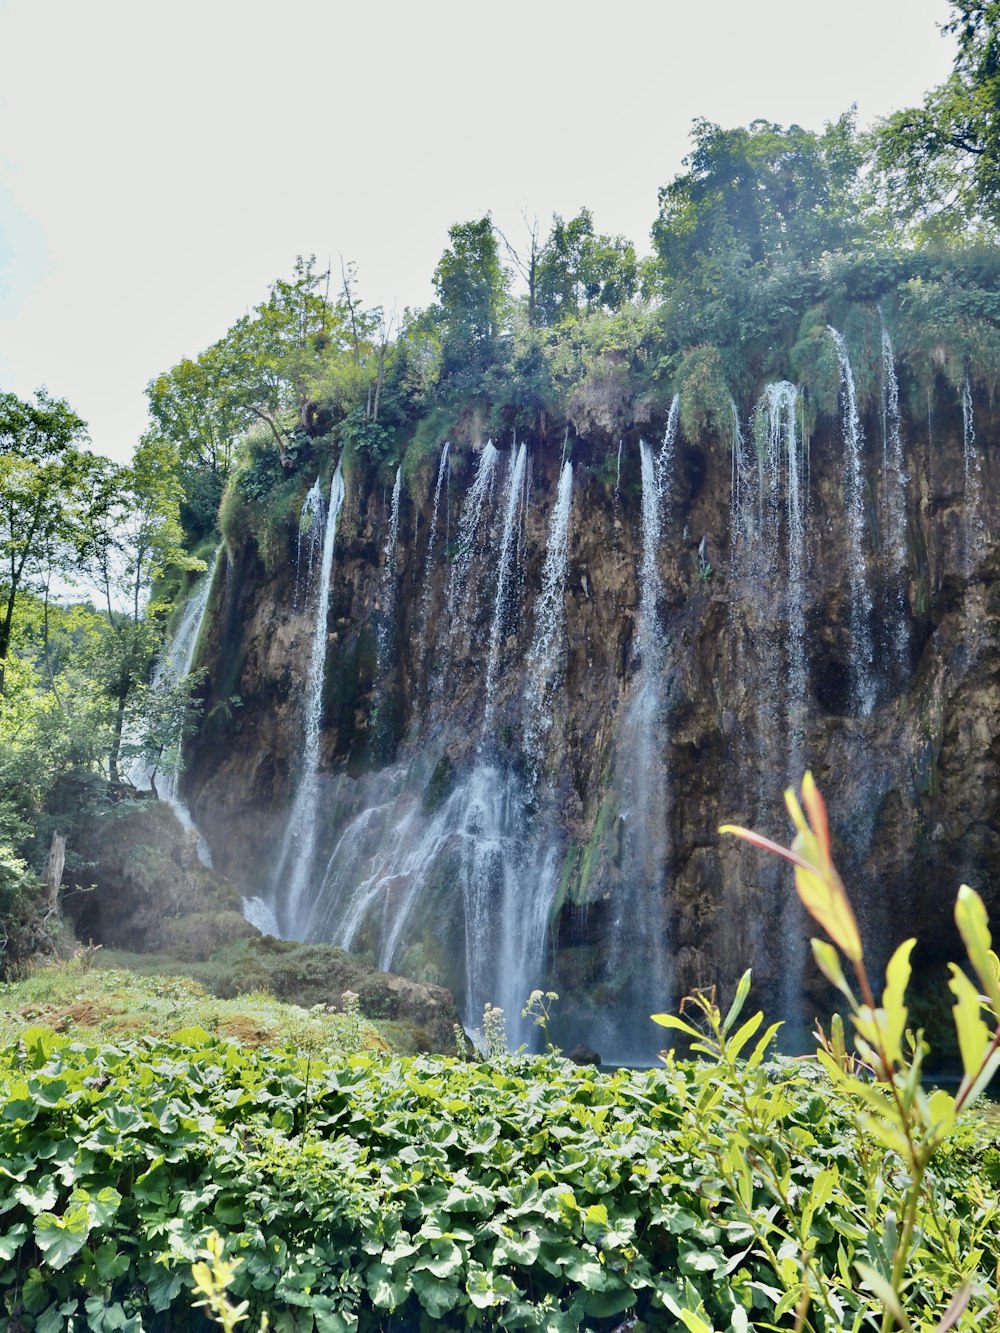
939,163
267,365
44,483
756,195
579,271
133,534
473,293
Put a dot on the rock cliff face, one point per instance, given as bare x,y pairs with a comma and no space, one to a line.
525,749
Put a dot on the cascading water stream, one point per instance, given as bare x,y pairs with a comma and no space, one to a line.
294,866
777,411
175,663
383,878
862,679
973,528
443,478
468,529
637,955
388,592
894,481
542,676
665,458
312,525
513,508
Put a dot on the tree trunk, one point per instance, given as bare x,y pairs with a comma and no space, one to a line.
5,628
54,873
116,740
279,438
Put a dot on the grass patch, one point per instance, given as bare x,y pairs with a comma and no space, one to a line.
102,1003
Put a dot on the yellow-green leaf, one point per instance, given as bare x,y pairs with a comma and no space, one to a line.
974,928
672,1021
897,978
973,1034
828,962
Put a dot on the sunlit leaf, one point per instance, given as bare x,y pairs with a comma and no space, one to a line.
974,928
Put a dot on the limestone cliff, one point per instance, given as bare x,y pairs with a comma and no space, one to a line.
496,810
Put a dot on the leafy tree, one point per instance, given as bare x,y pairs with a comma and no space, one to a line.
271,363
755,195
133,533
472,287
579,271
939,163
44,483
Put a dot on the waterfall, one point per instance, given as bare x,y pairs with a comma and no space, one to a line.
468,529
972,476
775,422
383,882
505,569
665,459
542,675
388,592
175,663
294,866
425,596
777,562
310,542
862,680
637,961
894,481
618,476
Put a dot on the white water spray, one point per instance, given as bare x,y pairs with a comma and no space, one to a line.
862,678
543,660
894,482
513,507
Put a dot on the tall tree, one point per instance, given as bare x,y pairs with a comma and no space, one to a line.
757,194
580,271
939,163
472,287
44,492
133,533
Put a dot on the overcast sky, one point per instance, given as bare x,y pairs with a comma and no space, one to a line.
161,163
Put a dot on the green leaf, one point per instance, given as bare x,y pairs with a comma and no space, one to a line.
10,1241
40,1199
101,1206
828,961
897,978
740,1038
739,1000
973,1034
678,1024
60,1238
435,1296
879,1287
694,1322
760,1049
974,928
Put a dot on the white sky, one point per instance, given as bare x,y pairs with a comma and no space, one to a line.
161,163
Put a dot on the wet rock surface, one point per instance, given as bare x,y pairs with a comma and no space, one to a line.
912,783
